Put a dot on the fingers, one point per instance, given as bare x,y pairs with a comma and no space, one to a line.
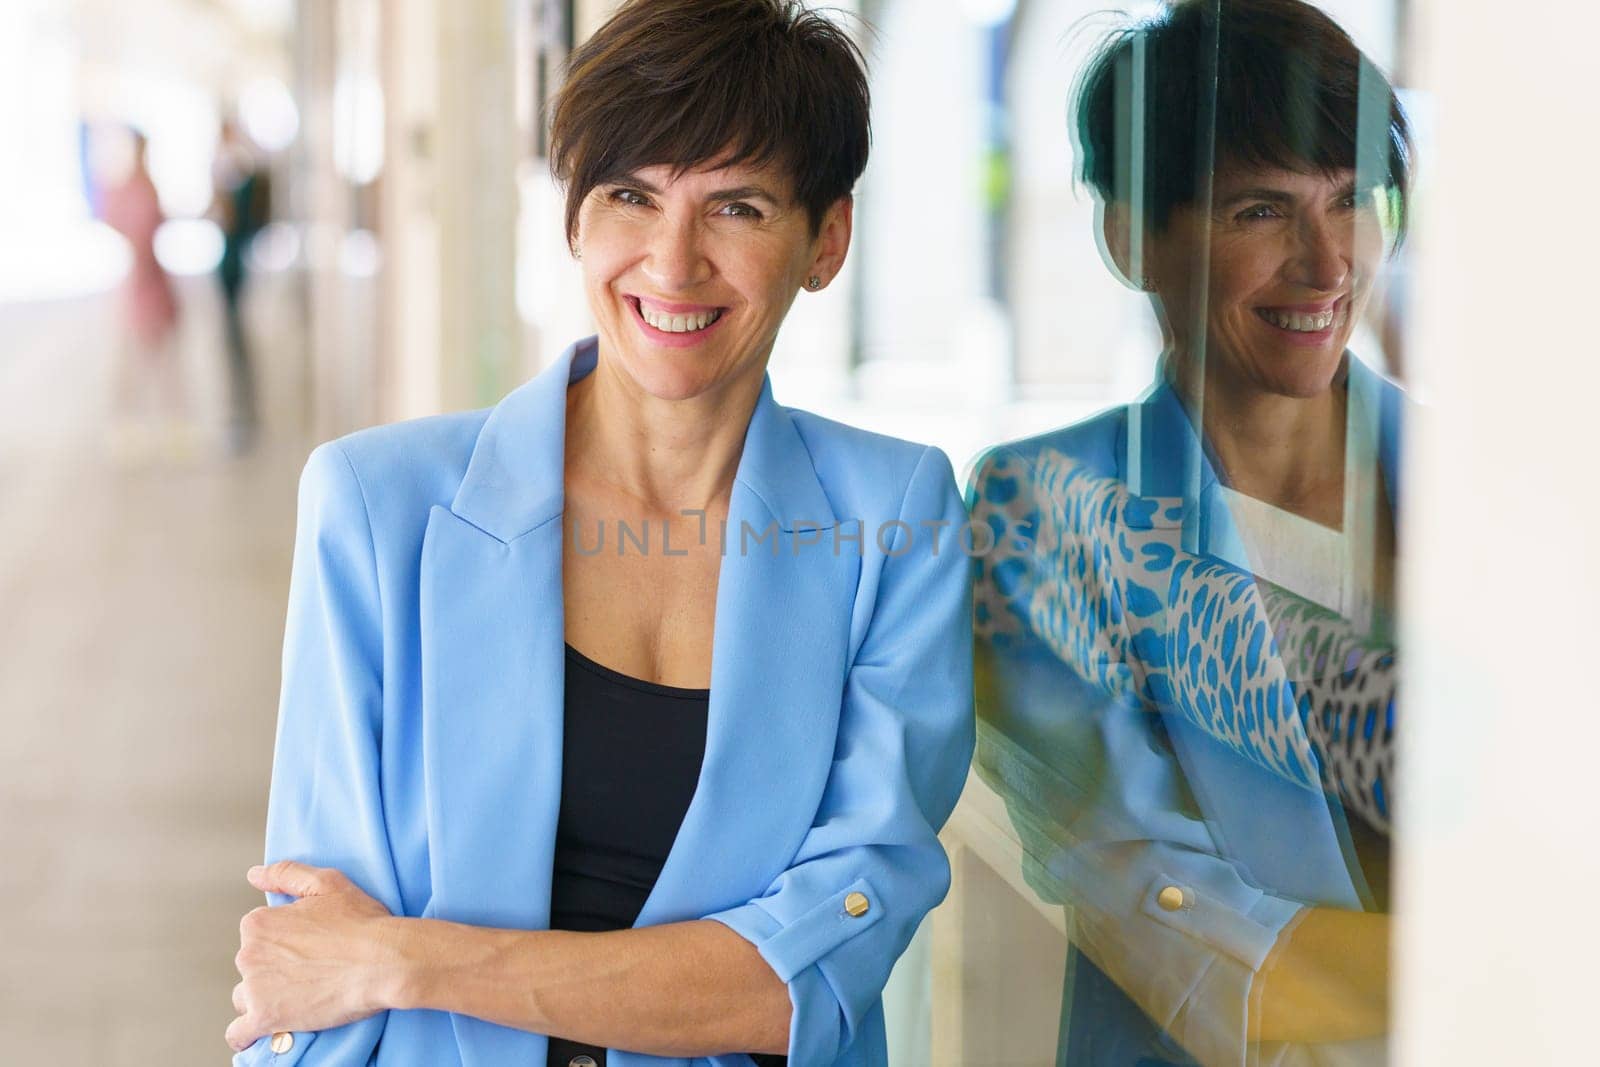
242,1033
294,879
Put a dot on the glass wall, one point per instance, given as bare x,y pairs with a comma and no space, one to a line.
1177,845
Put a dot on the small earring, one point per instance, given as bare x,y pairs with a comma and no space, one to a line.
577,253
813,283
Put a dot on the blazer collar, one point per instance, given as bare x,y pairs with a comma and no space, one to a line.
514,479
1165,455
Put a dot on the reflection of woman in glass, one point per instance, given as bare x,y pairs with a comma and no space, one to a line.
1186,663
609,734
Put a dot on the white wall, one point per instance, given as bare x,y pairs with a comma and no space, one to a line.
1498,863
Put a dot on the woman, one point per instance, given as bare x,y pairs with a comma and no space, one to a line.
131,205
626,712
1185,654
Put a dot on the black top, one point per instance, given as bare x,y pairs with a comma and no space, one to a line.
630,759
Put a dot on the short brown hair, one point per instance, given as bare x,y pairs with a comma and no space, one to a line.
1254,83
695,82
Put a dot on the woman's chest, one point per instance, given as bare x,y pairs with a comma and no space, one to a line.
643,601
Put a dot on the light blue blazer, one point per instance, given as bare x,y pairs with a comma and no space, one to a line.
419,735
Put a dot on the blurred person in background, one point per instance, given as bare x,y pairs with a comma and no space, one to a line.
242,207
681,800
147,383
1185,635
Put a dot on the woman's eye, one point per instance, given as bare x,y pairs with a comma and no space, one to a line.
630,197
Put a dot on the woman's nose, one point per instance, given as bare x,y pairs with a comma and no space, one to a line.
675,260
1324,259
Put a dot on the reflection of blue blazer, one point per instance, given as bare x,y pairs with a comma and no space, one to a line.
1117,804
419,738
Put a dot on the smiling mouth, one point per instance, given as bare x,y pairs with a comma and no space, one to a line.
672,322
1302,321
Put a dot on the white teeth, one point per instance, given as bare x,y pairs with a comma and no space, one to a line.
678,323
1294,320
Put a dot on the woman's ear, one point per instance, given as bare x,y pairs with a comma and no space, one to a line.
832,242
1123,254
1125,245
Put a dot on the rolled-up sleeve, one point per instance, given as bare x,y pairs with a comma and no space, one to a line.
1170,918
325,806
871,866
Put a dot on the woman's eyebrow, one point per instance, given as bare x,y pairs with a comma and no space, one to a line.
740,192
745,192
1276,196
633,181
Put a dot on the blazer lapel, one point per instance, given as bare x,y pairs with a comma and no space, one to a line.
779,656
492,673
492,681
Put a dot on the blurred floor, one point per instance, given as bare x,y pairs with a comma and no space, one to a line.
139,654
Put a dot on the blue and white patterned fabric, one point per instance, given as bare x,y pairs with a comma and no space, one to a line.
1158,719
1101,577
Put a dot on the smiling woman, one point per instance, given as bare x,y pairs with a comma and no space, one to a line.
537,802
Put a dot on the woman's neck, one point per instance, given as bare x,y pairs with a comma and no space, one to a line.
665,456
1287,451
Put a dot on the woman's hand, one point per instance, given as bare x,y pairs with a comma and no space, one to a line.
320,962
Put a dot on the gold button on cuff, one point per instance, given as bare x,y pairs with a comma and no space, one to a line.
1174,898
282,1042
857,904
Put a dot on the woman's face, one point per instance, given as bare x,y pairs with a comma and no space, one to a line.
690,276
1292,258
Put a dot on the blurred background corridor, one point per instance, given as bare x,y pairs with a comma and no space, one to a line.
233,229
132,791
146,530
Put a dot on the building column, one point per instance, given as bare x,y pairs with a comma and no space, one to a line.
478,149
451,333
